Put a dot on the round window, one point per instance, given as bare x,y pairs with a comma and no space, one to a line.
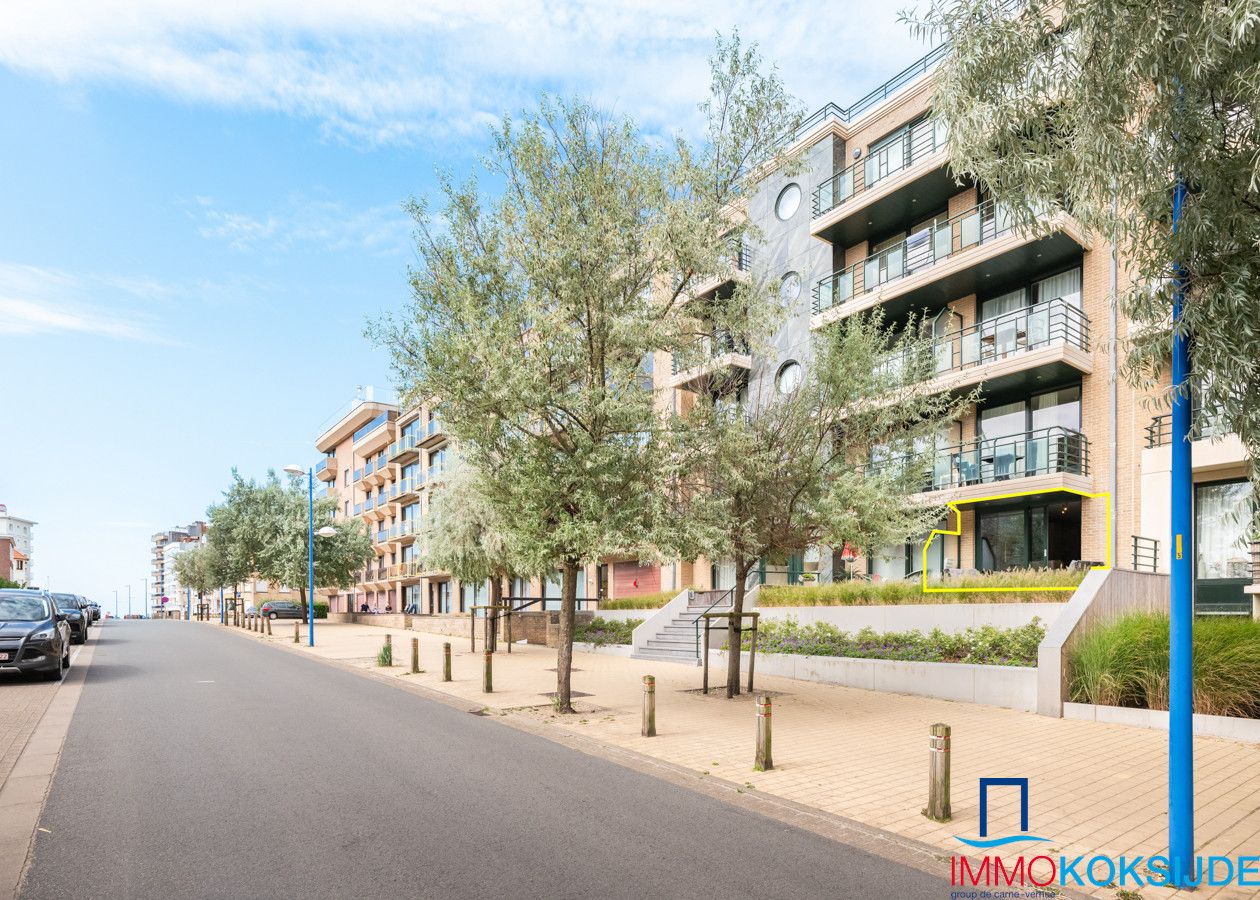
789,202
789,377
789,288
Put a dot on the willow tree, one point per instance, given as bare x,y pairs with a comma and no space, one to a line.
199,569
536,312
838,458
1101,108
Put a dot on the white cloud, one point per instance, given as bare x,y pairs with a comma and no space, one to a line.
36,300
380,71
323,224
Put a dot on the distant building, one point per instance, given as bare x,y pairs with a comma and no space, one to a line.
15,547
163,582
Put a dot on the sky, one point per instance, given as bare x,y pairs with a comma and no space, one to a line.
201,209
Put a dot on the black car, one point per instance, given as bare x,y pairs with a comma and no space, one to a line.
34,634
96,610
77,617
282,609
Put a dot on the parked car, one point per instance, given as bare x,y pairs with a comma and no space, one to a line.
77,617
96,610
34,633
282,609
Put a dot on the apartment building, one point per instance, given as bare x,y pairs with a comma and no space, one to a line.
163,582
16,539
875,219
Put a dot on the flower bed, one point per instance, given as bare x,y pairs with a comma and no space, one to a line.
977,646
644,601
601,632
867,593
1125,663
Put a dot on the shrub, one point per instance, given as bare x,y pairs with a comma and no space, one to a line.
987,645
1125,663
321,610
601,632
386,656
645,601
894,593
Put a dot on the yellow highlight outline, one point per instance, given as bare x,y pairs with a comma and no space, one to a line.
957,532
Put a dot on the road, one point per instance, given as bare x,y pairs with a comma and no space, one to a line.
201,764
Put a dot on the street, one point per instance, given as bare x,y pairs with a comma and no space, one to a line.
201,764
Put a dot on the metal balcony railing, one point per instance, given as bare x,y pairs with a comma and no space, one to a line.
915,142
1046,324
921,250
984,460
1204,425
710,349
1145,554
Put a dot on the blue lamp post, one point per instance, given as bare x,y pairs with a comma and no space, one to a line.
310,547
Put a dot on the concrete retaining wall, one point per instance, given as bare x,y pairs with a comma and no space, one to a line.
1011,687
951,618
1247,730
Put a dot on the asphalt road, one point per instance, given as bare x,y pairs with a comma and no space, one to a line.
199,764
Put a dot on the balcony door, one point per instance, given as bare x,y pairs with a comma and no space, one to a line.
1039,536
1222,551
1033,436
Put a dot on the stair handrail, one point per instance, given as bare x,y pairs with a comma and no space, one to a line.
700,618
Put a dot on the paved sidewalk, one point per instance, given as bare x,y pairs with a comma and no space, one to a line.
1094,788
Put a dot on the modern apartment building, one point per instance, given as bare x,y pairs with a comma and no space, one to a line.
875,219
16,538
163,582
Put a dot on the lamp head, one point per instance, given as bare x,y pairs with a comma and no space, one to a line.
295,470
327,531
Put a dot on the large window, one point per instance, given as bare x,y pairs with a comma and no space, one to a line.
1223,512
1046,535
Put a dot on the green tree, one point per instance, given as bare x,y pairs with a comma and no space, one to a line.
836,460
198,568
536,312
1099,108
9,583
238,525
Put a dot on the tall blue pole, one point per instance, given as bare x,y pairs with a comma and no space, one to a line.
310,556
222,611
1181,647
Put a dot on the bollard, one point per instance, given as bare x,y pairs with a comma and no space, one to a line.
764,761
938,775
268,621
446,662
415,656
487,674
295,633
649,706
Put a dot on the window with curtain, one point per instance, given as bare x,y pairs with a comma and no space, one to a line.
1223,512
1065,286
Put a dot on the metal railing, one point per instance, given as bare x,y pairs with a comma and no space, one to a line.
722,598
709,349
1056,321
403,445
1203,426
408,485
1145,554
985,460
920,251
914,143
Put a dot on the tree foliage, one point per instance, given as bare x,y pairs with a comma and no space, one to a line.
1099,107
199,568
536,313
835,461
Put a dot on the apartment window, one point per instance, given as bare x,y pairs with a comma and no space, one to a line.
790,288
789,377
347,509
345,478
788,202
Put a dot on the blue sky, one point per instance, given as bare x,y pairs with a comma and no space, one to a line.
200,209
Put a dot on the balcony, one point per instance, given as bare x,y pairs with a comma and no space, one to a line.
718,354
434,472
952,258
376,469
407,487
374,435
408,529
405,448
1204,426
1044,459
891,185
1216,450
1014,351
431,434
326,469
736,261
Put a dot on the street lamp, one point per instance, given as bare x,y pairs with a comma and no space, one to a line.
326,531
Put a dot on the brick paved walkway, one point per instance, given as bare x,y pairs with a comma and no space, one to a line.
1095,788
22,704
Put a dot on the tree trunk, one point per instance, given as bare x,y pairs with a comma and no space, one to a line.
564,655
733,655
496,599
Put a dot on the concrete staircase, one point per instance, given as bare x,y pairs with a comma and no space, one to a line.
675,639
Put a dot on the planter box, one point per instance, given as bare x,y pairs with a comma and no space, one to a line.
1245,730
951,618
1010,687
607,649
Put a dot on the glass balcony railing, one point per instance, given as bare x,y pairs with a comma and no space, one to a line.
408,485
368,467
914,144
985,460
1205,425
406,443
358,509
322,466
920,251
435,471
369,504
409,528
1055,322
358,474
432,427
370,427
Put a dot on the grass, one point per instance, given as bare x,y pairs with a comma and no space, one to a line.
896,593
983,646
386,656
1125,663
646,601
602,632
